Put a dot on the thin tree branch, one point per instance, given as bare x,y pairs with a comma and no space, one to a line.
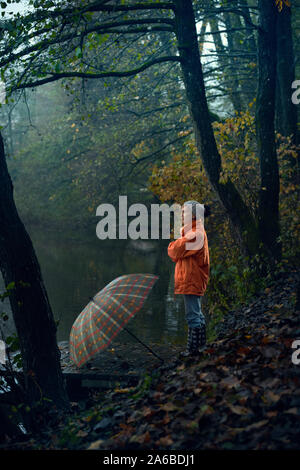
73,12
58,76
102,28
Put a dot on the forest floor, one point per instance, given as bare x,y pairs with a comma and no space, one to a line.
242,392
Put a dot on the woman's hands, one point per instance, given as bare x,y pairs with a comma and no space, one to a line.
190,232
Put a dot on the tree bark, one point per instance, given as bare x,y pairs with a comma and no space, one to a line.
234,64
239,214
248,78
202,35
30,306
286,76
238,78
268,212
233,93
251,42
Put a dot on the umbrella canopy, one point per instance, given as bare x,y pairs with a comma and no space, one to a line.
107,314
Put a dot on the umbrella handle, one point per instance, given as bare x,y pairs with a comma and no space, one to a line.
147,347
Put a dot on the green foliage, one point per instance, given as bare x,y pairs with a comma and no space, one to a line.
84,147
233,279
68,436
7,291
144,387
13,344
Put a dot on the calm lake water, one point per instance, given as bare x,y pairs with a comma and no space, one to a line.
74,270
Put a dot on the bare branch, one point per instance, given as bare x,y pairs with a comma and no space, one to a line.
154,154
99,28
97,6
58,76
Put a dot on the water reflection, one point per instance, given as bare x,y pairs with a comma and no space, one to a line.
75,270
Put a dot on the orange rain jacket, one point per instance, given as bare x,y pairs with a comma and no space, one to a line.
192,266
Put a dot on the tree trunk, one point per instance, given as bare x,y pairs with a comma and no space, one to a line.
238,212
202,35
268,212
245,42
29,302
251,42
286,76
224,63
234,64
278,110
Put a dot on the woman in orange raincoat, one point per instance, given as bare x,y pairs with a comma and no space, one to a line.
191,255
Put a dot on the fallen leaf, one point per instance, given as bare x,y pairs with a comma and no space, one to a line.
270,382
239,410
148,412
230,382
267,339
257,425
95,445
243,351
143,439
123,390
272,414
164,441
82,433
168,407
292,411
271,396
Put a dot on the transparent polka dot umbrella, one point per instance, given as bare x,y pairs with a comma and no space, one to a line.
107,314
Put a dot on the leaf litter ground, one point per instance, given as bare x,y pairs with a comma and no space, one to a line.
242,392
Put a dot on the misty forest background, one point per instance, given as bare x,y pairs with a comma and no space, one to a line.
159,101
